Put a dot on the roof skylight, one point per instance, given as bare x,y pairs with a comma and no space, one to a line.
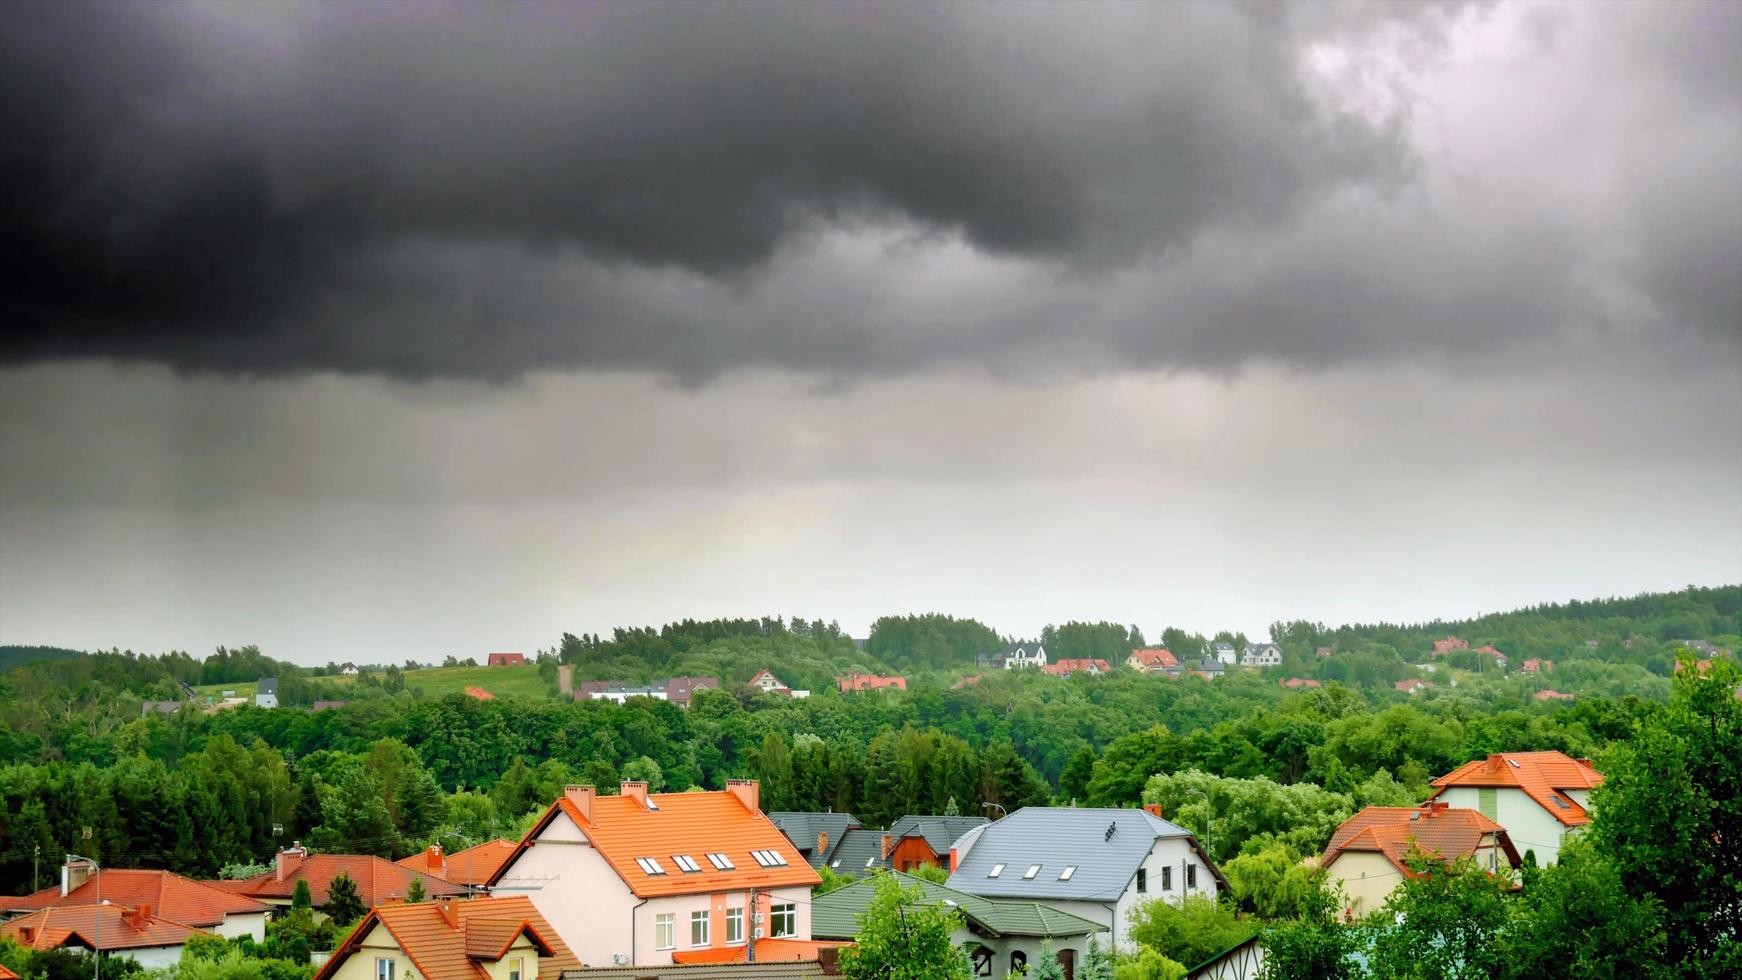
1033,870
769,859
650,866
721,862
685,862
1065,875
997,869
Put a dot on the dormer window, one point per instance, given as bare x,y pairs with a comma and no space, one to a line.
1033,870
685,863
997,869
650,866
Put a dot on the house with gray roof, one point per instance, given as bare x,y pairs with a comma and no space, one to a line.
1099,864
266,695
1030,654
815,835
1001,935
910,842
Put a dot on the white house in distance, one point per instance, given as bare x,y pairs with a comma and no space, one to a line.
1099,864
647,878
1541,798
767,683
1261,655
1224,652
266,695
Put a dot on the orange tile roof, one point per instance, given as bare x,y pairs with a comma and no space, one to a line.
6,974
475,691
767,951
453,939
378,879
1394,831
1155,657
869,682
117,927
165,892
1543,776
622,829
1411,684
472,866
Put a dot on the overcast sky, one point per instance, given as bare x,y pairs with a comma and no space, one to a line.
370,331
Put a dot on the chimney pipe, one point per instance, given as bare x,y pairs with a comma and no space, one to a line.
449,912
432,857
888,845
288,860
581,798
747,792
1153,809
73,874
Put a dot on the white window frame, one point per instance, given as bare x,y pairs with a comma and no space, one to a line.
685,863
782,920
650,866
517,968
735,926
665,930
721,862
1069,870
705,919
1033,870
997,869
384,968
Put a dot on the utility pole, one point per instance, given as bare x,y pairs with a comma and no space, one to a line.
96,954
35,862
750,949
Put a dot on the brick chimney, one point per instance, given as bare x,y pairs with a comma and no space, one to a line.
1153,809
73,874
822,844
288,860
1496,763
1437,806
887,846
432,858
635,789
449,912
581,798
748,793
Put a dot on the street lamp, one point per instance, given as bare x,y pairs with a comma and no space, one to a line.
1209,813
1002,813
97,939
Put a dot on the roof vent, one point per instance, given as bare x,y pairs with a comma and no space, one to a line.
1112,829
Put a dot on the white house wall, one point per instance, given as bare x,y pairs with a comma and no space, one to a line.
1530,826
243,924
576,891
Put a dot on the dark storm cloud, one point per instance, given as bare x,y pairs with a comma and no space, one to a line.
424,190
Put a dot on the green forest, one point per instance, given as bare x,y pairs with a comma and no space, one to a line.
1262,772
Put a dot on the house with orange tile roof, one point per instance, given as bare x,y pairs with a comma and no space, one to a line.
1541,798
1413,685
501,938
109,929
1536,665
472,866
6,974
1450,644
378,880
1077,665
767,951
1547,694
869,682
1296,683
638,877
165,893
1369,853
1153,660
765,681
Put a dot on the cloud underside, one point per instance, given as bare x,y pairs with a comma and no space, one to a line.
849,190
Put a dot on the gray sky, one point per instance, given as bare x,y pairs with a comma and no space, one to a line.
367,332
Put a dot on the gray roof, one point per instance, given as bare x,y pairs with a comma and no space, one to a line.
1059,837
801,827
837,914
1030,648
939,831
268,685
860,851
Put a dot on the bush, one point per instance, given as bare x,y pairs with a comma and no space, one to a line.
1188,932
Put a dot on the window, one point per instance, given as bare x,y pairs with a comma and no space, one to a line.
1033,870
685,863
1166,878
1191,876
699,928
665,931
1018,962
997,869
1143,880
1488,801
384,968
770,859
721,862
734,925
982,960
650,866
515,966
783,920
1065,875
870,860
